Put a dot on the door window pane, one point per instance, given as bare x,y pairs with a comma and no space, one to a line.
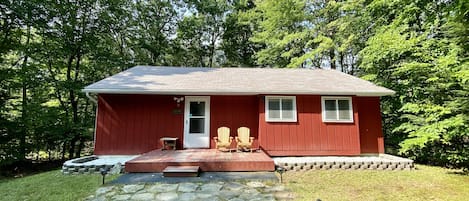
330,108
344,110
274,108
197,108
196,125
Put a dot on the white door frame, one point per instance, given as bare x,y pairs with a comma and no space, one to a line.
196,140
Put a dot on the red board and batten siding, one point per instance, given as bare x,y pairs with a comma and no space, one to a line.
233,112
133,124
371,133
309,135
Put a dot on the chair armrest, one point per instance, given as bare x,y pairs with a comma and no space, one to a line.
231,139
215,138
251,139
237,139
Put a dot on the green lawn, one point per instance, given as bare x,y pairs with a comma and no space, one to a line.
425,183
52,185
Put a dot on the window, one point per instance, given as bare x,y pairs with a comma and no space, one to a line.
280,108
337,109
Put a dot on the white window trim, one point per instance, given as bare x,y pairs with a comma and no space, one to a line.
268,119
323,106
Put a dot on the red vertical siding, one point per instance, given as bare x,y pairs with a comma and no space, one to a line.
132,124
309,135
371,133
233,112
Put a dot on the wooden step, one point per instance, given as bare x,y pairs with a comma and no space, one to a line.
181,171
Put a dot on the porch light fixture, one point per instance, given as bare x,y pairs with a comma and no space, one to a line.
178,100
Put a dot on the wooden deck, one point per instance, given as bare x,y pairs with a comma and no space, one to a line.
209,160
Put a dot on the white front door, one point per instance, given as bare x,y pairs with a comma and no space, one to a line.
197,122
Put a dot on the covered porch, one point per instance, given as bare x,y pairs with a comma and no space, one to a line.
209,160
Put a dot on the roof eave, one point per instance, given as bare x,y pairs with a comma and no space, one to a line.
193,92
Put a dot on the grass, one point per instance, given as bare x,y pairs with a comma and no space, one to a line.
425,183
51,185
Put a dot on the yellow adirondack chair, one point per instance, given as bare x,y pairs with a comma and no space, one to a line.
223,141
244,140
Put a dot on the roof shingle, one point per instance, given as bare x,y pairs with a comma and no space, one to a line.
234,81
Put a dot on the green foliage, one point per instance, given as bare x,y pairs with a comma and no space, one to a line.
324,34
236,44
421,57
50,50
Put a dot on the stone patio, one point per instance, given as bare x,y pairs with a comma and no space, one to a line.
213,191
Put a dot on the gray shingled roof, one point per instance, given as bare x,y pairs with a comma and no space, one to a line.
234,81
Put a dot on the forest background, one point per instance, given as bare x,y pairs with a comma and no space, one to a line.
50,50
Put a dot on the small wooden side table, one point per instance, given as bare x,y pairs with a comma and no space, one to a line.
168,143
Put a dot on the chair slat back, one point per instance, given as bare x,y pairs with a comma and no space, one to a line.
244,134
223,134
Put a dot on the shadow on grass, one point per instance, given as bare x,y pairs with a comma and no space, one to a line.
28,167
458,172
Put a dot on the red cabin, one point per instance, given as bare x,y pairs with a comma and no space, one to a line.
290,112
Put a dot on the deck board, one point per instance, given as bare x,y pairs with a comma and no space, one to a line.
209,160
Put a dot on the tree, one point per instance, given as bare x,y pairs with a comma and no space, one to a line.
422,55
236,44
200,31
308,33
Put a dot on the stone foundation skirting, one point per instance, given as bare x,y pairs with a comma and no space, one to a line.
381,162
113,164
90,169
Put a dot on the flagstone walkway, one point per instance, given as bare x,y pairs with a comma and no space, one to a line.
213,191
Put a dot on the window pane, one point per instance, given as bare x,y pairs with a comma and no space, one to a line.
196,125
331,110
274,108
344,110
197,108
287,108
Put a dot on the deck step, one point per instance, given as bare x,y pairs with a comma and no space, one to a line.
181,171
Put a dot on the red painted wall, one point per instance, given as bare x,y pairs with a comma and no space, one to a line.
132,124
371,133
233,112
309,135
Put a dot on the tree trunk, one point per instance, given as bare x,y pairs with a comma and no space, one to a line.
81,144
71,150
212,48
71,97
24,100
343,68
24,130
64,150
332,57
